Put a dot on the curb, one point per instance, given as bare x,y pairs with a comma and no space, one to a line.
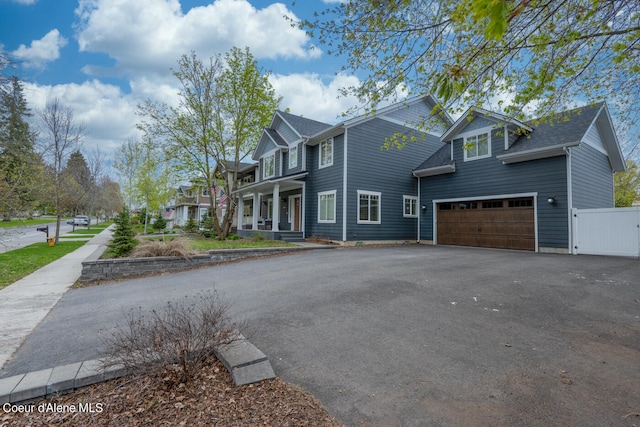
246,363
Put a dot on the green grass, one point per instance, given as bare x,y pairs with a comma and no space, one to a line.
16,264
28,222
95,229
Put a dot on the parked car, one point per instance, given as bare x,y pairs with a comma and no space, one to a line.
81,220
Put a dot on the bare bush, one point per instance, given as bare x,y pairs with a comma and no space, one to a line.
155,248
183,333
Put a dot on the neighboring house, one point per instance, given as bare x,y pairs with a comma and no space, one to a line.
497,182
336,182
188,202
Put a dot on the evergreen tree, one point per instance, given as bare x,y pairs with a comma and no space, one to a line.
160,223
123,240
20,167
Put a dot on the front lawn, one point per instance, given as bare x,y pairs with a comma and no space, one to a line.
18,263
27,222
201,244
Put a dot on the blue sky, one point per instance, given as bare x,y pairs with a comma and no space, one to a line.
103,57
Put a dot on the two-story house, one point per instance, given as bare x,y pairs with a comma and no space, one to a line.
336,182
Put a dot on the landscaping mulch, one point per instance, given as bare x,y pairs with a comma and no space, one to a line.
210,399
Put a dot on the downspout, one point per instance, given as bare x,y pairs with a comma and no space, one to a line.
344,189
569,199
419,209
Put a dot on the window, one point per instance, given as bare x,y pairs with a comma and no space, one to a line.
446,206
269,166
326,153
368,207
477,146
521,203
327,206
468,205
293,157
205,192
493,204
410,206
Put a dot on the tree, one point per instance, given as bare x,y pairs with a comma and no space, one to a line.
223,106
123,240
627,185
534,56
20,166
61,137
126,163
109,197
78,182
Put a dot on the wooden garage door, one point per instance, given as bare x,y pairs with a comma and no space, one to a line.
507,223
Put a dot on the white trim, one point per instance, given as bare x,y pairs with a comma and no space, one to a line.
292,210
370,193
344,188
491,197
327,193
506,138
438,170
419,210
536,153
475,134
302,209
320,165
404,200
281,165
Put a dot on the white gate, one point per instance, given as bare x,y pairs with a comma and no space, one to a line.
611,231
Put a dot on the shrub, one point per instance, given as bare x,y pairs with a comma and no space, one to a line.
233,237
160,223
191,226
185,332
153,248
123,240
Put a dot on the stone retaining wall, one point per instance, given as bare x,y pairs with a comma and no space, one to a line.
94,268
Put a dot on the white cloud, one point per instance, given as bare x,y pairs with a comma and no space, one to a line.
107,114
25,2
308,95
41,51
150,36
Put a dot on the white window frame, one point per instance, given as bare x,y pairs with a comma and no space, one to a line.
321,157
471,153
272,157
412,207
320,195
293,157
369,194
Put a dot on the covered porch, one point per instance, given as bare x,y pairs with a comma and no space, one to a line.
273,208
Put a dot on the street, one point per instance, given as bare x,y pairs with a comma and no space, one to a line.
19,237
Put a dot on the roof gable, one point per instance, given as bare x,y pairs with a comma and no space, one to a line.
302,126
475,115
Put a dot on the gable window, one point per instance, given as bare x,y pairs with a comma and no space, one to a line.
326,153
477,146
410,204
368,207
327,206
293,157
269,166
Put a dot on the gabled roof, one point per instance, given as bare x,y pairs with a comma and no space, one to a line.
555,133
472,113
301,125
339,128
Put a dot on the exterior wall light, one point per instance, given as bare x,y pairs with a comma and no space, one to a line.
424,207
551,200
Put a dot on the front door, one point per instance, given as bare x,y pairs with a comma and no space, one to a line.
296,210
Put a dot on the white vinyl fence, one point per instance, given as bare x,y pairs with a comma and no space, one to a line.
612,231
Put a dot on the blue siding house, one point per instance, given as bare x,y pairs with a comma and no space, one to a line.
336,182
497,182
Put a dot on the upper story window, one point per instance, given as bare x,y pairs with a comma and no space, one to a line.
205,192
477,146
293,157
269,165
326,153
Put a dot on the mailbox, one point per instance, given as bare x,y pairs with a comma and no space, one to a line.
44,229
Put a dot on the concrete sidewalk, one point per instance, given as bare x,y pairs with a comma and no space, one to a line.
26,302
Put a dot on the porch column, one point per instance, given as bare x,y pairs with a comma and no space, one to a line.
240,211
256,210
275,224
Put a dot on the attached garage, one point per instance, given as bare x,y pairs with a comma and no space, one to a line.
507,223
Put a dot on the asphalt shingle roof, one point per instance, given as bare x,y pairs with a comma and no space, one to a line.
304,126
569,126
442,157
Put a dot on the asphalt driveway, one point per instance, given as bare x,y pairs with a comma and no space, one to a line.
409,335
